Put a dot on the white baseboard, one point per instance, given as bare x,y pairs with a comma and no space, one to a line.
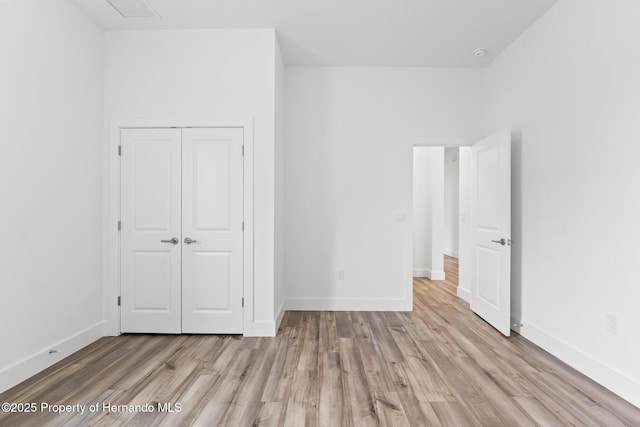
452,254
267,328
608,377
465,294
425,272
31,365
263,329
270,329
420,272
348,304
280,314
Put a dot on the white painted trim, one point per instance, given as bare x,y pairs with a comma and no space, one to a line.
465,294
42,359
425,272
442,141
451,253
263,329
408,238
617,382
111,186
420,272
111,258
249,280
280,314
348,304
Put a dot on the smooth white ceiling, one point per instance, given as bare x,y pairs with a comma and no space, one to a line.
432,33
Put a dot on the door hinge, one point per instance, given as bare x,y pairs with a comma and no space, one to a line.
119,150
242,225
119,301
119,225
242,301
243,150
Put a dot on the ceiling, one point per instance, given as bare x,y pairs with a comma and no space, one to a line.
428,33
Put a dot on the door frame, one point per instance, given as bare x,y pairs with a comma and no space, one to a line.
445,142
111,202
454,141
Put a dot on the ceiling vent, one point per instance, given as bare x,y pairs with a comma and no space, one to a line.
133,8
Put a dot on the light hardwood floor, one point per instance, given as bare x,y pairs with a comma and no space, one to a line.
438,365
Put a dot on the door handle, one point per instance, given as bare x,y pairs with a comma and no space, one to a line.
501,241
173,241
188,240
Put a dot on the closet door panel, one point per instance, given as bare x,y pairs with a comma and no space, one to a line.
150,194
212,215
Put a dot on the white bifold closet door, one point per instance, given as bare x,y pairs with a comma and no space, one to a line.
212,266
181,237
150,206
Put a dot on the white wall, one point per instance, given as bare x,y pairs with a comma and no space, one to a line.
207,75
422,210
451,201
428,212
350,134
280,223
50,185
569,88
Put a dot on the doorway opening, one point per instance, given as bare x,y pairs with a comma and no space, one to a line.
484,242
441,200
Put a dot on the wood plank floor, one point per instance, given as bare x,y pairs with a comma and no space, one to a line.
439,365
450,283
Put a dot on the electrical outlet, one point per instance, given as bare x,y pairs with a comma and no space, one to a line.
611,324
340,274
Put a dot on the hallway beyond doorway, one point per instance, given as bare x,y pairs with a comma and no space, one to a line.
450,284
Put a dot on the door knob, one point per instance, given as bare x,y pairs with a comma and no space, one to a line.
188,240
173,240
501,241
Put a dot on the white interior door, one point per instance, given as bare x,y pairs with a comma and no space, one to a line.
212,228
491,210
150,216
